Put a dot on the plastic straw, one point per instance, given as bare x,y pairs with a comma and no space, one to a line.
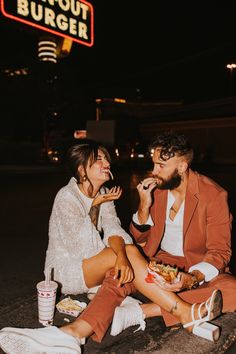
47,273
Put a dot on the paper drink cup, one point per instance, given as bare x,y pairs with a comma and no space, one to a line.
46,301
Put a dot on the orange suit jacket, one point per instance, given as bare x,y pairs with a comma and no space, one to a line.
206,226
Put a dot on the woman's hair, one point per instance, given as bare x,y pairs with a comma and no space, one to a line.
82,155
171,145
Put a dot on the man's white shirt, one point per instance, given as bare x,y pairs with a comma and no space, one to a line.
172,241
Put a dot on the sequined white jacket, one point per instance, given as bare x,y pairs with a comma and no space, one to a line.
73,237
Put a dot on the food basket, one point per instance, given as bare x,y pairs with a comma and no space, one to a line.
70,307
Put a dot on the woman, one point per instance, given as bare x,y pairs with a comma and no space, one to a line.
82,260
83,211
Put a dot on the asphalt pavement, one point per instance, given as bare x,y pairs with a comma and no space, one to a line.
155,339
27,194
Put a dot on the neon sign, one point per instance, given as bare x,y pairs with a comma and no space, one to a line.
70,19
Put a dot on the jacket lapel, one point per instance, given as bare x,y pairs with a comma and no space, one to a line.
191,200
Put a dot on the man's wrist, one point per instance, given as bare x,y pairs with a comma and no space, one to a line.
143,214
196,278
142,218
189,281
199,275
193,283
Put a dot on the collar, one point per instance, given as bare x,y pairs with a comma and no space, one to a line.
193,186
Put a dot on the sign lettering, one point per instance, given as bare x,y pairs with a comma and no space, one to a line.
70,19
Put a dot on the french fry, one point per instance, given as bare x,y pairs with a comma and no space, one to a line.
69,305
111,175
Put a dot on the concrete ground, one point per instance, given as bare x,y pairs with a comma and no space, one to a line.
155,339
26,200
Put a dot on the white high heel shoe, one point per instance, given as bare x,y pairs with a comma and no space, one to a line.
201,327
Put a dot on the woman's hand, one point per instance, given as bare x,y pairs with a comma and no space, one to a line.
123,269
113,194
185,279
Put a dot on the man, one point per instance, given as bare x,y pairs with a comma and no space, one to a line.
96,319
183,220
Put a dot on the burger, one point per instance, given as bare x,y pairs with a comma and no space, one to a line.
162,272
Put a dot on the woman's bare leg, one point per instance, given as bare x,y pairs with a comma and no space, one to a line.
151,310
167,300
100,310
78,328
94,272
95,268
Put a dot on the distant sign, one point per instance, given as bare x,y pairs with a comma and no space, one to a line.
71,19
80,134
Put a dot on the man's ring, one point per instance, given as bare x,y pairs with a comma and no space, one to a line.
145,187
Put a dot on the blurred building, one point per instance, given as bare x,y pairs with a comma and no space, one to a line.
211,125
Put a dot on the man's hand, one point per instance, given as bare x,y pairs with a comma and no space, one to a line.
113,194
144,189
185,281
123,269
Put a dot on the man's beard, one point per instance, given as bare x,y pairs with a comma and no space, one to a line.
171,183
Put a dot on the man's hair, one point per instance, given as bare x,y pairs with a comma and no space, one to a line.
171,145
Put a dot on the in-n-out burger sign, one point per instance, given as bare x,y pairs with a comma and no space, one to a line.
71,19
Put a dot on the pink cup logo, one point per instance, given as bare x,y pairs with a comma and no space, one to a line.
43,294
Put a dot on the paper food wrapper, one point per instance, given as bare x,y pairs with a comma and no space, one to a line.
151,276
71,307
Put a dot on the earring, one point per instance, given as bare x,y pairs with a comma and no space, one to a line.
84,178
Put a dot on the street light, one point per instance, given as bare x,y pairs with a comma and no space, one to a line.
231,67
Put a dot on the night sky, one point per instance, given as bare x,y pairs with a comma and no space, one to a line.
154,50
